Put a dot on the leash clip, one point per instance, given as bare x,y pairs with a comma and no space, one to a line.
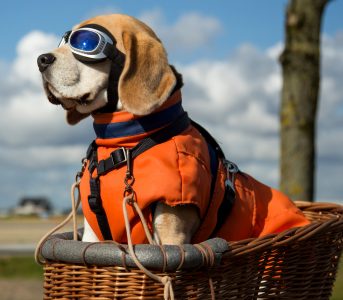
129,178
80,173
230,166
231,169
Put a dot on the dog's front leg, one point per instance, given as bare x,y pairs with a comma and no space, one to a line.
175,225
88,233
172,225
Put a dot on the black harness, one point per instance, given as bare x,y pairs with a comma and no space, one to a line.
122,156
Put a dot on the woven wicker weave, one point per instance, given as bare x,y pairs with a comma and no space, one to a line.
300,263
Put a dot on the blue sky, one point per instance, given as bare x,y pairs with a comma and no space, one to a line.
244,21
228,54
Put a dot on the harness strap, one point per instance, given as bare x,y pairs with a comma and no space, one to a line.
94,198
224,209
229,195
95,204
118,157
209,139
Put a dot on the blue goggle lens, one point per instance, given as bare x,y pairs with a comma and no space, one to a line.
84,40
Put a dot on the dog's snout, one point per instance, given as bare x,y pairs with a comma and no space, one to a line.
45,60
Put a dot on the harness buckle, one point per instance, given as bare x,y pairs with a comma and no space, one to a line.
92,166
90,150
119,157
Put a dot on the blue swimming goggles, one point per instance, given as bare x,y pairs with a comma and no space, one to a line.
90,44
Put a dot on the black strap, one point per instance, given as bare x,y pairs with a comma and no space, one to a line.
229,195
94,198
118,157
209,139
95,204
224,209
117,64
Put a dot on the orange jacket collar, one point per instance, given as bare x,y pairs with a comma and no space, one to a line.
123,116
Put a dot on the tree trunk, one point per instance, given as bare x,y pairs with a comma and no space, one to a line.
300,62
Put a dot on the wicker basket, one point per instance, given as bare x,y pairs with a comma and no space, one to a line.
300,263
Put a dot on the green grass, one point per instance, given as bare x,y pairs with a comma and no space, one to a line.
20,267
338,287
26,268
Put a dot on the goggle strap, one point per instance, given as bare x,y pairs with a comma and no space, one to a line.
112,88
117,65
67,35
110,51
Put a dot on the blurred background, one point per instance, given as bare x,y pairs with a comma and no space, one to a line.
228,54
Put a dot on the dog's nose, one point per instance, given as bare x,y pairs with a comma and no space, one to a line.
44,61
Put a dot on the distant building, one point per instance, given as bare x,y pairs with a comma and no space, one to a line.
33,206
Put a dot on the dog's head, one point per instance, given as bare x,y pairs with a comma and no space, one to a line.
137,66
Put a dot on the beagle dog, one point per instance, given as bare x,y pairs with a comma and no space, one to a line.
115,68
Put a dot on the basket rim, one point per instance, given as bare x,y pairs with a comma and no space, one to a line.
61,247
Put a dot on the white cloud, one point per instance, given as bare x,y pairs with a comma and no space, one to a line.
275,51
237,99
330,120
35,141
28,49
42,157
26,114
331,104
187,33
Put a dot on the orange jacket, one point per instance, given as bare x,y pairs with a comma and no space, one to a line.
178,172
258,210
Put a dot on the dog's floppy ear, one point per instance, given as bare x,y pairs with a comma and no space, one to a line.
147,79
73,116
